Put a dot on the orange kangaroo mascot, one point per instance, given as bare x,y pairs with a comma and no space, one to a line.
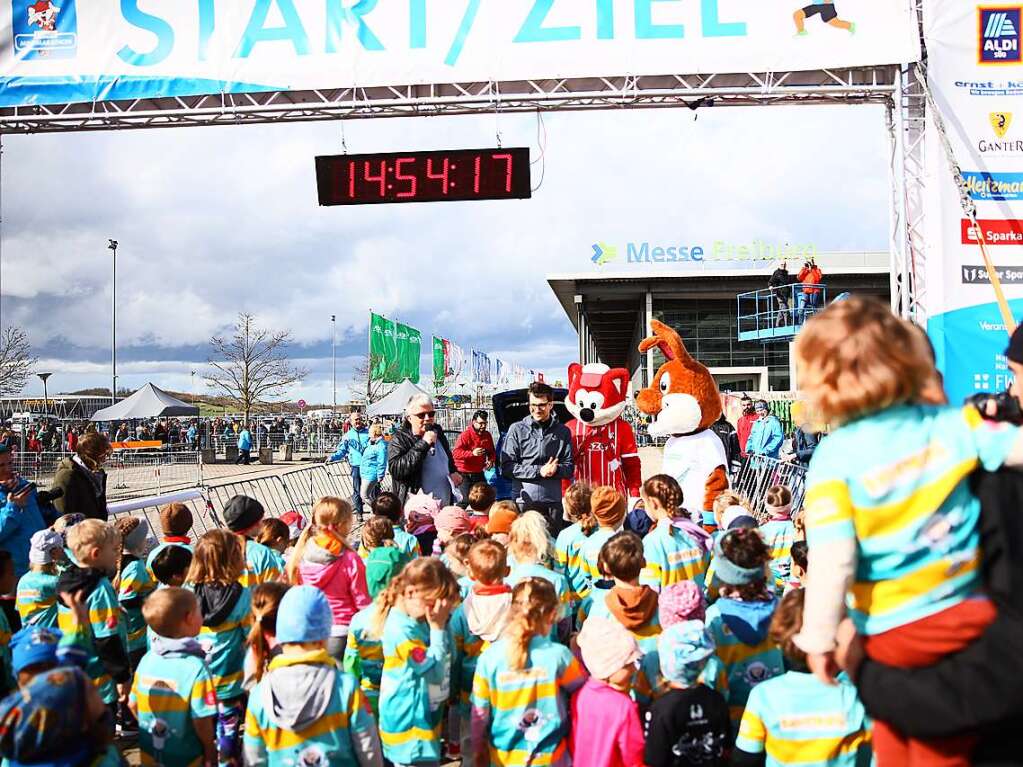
685,401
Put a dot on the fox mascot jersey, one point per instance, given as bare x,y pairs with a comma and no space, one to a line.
685,401
603,443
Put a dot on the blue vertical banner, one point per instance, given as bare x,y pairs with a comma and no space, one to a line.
974,55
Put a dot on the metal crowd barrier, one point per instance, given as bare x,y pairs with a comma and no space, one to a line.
758,473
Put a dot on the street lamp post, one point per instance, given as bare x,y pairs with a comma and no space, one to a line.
333,360
113,326
46,398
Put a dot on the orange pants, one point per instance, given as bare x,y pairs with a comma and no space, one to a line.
924,643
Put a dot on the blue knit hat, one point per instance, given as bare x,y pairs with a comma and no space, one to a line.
304,616
32,645
683,650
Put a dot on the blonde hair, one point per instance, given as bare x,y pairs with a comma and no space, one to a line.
266,598
93,449
427,573
166,609
378,531
376,430
329,511
529,541
534,603
726,499
217,559
90,533
856,357
576,502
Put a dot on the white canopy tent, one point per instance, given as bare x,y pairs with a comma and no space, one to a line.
395,402
148,402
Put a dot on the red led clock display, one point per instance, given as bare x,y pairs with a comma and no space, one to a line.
461,174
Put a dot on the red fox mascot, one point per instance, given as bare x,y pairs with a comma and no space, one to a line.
603,443
685,401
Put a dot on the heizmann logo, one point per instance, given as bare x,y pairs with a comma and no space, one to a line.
999,34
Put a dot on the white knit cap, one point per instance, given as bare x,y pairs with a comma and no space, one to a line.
731,514
41,546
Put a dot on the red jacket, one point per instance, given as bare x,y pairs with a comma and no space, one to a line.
743,429
811,277
467,441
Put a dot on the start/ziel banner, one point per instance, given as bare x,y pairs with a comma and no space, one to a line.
62,51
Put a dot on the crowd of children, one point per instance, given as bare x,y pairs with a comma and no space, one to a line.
304,642
275,644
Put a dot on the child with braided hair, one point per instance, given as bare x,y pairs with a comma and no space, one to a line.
677,547
523,682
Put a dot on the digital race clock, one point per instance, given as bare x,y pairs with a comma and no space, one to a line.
461,174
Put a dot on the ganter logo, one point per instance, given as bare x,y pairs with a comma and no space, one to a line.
999,34
44,30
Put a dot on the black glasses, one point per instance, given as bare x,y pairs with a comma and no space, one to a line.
540,405
424,416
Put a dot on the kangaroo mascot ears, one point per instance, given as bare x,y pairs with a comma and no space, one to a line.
685,401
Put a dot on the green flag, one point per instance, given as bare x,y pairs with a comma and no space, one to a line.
383,350
409,341
439,364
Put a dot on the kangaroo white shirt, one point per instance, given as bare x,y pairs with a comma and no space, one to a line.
691,460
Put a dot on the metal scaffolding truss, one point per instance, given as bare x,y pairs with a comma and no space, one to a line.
876,84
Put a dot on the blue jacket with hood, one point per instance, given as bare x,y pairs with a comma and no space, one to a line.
747,656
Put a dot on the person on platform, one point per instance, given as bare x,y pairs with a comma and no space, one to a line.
419,457
474,451
352,445
810,299
537,456
779,284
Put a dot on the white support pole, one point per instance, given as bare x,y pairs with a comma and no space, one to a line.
648,329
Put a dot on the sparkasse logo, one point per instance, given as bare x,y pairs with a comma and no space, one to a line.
998,34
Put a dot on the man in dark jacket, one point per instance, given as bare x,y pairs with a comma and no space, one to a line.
779,284
536,456
419,457
730,439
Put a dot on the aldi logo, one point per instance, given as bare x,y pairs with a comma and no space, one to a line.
998,32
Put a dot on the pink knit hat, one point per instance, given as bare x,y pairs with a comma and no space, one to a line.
451,521
680,602
606,646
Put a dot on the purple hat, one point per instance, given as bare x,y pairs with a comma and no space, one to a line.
680,602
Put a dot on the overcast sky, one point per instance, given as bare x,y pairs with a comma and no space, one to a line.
213,221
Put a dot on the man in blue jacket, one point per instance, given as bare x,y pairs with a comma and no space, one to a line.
352,445
20,519
767,435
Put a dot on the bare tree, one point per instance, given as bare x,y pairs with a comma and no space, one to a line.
252,365
16,360
370,388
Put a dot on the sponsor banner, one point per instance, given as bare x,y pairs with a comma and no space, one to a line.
994,232
61,51
975,74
